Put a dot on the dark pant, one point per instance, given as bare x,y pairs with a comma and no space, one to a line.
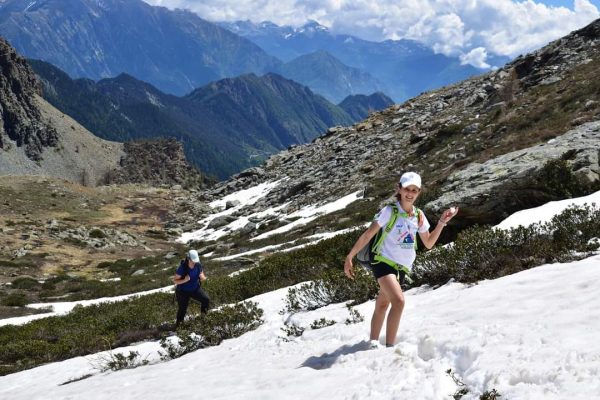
183,300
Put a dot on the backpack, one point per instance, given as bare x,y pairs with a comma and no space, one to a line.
371,253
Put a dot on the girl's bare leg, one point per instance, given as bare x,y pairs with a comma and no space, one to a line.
393,292
381,305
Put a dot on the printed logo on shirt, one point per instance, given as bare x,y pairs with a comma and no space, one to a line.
406,232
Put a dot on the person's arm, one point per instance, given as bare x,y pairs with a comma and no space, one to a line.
430,238
178,280
362,241
202,276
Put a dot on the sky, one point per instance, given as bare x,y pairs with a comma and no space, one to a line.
530,335
469,29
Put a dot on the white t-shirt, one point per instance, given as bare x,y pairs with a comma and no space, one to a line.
399,244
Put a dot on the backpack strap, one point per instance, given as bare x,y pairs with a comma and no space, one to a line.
387,229
384,231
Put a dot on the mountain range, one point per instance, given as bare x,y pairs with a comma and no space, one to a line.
177,51
404,68
226,126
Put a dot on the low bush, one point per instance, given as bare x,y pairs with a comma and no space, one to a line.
488,253
331,287
282,269
463,390
292,330
25,283
212,328
321,323
116,361
15,300
355,316
557,178
97,233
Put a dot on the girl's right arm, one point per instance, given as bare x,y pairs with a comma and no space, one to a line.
360,243
178,280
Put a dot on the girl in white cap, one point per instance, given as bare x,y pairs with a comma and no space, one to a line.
188,277
395,254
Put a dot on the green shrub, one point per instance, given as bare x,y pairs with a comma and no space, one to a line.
490,395
97,233
15,300
212,328
463,390
187,342
321,323
486,253
332,287
292,330
117,361
282,269
557,178
25,283
355,316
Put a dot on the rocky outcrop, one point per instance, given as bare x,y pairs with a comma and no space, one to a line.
37,139
157,163
495,189
22,123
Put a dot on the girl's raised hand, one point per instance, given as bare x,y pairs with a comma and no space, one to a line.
449,214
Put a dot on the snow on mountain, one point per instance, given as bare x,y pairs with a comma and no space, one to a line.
544,213
536,342
531,335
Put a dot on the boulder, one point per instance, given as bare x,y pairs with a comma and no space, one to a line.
489,192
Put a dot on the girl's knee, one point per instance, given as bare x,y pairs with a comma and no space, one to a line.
382,304
398,300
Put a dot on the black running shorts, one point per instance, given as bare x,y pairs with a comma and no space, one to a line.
382,269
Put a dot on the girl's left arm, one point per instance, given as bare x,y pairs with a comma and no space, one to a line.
430,238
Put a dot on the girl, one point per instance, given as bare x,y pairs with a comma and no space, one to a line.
188,277
397,252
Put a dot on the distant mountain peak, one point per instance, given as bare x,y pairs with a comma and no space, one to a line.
267,24
312,24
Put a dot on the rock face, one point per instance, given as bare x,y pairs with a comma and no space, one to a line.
493,190
37,139
159,162
21,119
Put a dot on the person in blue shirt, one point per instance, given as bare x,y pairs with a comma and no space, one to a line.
188,278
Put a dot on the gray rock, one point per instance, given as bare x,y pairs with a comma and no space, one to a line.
489,192
471,129
249,227
221,221
231,204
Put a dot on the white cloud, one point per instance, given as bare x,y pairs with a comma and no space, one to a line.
451,27
475,57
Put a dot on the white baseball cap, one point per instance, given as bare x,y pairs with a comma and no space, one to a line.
410,178
193,255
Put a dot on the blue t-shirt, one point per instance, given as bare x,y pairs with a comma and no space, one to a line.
194,283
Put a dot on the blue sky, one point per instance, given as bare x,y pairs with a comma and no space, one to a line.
568,4
469,29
